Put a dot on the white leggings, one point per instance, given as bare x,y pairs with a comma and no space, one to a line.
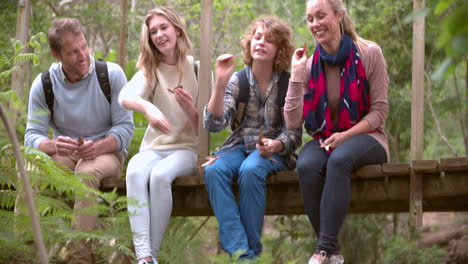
149,219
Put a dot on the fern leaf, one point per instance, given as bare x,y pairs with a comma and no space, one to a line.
26,57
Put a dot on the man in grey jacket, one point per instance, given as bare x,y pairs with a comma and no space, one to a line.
90,132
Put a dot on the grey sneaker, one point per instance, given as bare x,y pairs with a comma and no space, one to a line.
319,258
336,259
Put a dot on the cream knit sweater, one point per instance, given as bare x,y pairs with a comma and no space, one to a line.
181,136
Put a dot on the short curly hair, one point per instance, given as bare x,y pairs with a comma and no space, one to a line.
281,35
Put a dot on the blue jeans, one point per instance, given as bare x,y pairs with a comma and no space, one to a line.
325,183
240,227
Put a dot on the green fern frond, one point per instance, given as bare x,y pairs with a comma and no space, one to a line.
18,46
39,37
10,97
26,57
7,198
6,75
4,61
52,206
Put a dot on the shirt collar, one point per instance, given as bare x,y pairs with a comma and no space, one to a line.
274,78
90,70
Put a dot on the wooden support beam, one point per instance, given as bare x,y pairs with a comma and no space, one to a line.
416,198
417,112
204,80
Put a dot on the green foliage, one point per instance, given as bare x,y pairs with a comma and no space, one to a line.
176,246
7,67
294,242
56,188
403,251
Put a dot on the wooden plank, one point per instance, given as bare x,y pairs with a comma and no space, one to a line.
454,164
204,79
369,171
368,196
396,169
283,177
425,166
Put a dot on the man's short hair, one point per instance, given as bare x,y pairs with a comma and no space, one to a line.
61,26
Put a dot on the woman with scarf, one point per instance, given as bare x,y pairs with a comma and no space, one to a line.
340,93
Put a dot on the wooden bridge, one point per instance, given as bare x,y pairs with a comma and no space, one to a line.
427,185
375,189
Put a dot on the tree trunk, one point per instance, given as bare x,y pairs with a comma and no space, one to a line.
123,34
22,34
465,127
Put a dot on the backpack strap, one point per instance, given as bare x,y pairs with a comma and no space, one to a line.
243,100
48,92
283,89
103,78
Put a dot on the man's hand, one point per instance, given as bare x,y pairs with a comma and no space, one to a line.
87,151
66,146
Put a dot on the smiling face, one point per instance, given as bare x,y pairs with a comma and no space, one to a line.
163,34
262,47
74,56
324,24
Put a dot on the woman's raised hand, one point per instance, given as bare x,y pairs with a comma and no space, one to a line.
185,100
299,61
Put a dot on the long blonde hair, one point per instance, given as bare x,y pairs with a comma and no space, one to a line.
150,57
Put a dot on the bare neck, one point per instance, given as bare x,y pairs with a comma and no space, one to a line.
262,73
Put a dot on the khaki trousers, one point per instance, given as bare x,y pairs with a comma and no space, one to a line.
107,165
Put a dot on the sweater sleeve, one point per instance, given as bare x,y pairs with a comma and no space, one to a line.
376,70
37,126
122,119
293,106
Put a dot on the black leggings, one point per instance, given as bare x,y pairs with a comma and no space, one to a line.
326,202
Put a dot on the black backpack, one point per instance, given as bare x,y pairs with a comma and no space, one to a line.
244,95
102,75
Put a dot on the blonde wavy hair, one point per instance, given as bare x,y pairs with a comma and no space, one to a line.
150,57
281,35
346,24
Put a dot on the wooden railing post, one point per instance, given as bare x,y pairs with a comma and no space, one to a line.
204,79
417,113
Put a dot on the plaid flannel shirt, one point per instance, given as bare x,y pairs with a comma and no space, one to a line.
262,111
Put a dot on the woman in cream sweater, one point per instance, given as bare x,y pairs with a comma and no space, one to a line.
164,90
